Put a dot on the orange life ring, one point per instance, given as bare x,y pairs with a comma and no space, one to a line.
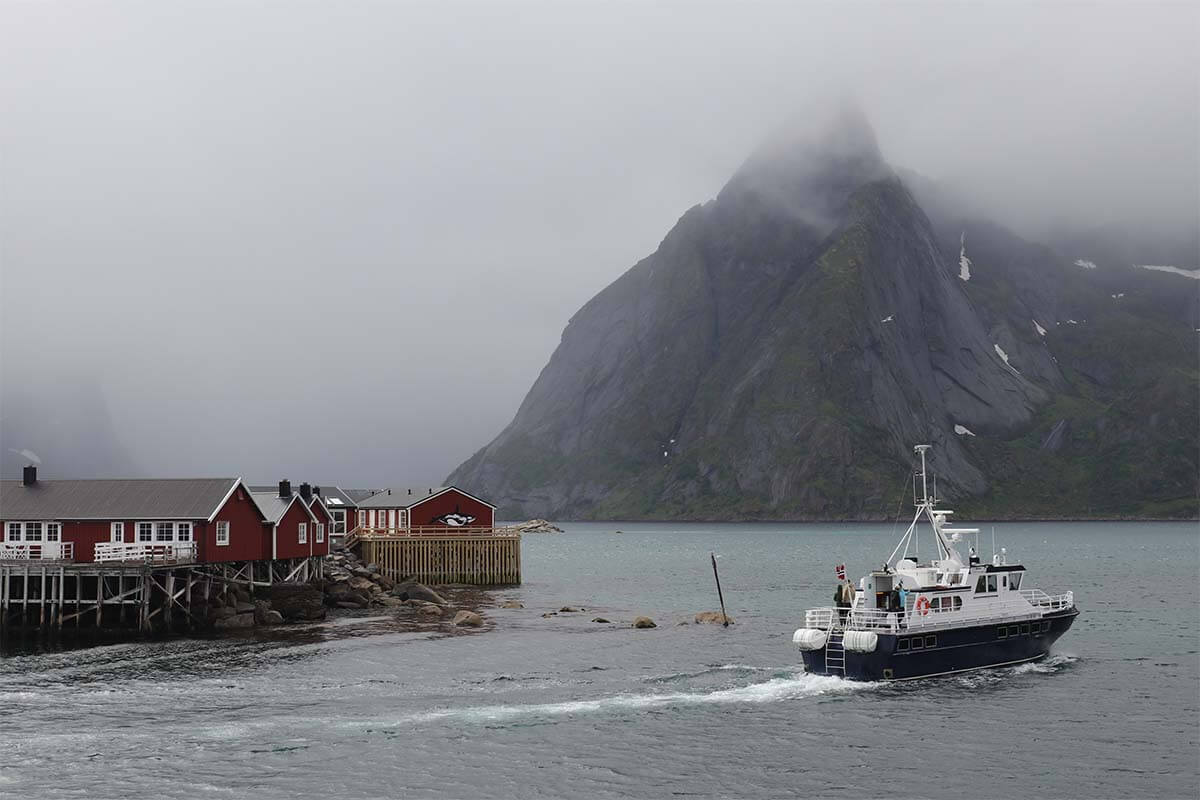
923,605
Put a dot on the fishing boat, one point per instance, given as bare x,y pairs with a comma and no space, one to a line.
918,619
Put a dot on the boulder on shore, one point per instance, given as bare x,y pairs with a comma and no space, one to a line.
512,604
600,619
712,618
468,618
644,622
296,601
411,590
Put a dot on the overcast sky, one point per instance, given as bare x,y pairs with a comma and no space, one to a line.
338,241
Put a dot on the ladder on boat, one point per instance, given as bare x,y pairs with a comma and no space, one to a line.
835,653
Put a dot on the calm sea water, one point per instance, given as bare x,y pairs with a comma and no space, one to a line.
564,707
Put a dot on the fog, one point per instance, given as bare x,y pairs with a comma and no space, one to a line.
338,241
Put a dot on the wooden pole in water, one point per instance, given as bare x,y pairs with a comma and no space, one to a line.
721,597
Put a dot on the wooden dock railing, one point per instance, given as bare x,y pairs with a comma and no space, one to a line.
481,556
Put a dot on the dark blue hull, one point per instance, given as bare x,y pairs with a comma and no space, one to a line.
925,654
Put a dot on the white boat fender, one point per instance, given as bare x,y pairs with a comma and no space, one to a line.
860,641
809,638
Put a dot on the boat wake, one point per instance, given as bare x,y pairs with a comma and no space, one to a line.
794,687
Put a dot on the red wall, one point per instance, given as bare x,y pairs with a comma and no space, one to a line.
249,538
326,519
449,502
287,533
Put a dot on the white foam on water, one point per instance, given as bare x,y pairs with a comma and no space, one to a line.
962,430
1187,273
1041,331
1081,262
772,691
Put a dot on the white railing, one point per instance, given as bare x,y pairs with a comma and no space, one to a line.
37,551
1049,602
1030,604
146,552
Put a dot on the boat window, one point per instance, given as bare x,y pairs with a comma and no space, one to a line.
991,583
902,645
957,603
1014,580
1046,625
981,584
1025,629
916,643
930,641
1004,581
1002,632
1036,628
1014,630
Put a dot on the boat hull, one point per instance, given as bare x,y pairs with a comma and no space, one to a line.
947,651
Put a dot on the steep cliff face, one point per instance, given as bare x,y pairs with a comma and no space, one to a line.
781,351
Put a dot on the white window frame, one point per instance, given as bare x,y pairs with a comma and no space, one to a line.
402,518
339,519
183,531
302,533
20,531
320,532
161,528
145,532
222,533
381,518
362,519
116,531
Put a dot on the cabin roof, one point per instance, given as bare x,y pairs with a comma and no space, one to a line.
274,506
407,498
121,499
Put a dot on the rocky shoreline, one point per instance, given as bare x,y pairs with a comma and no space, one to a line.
349,585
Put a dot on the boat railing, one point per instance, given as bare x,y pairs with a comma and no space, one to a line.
1049,602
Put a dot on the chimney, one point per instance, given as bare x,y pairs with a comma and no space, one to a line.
306,492
285,488
29,478
410,491
317,491
389,492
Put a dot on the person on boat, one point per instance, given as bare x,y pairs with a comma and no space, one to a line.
902,597
843,598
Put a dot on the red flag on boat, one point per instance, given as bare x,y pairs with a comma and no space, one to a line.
841,572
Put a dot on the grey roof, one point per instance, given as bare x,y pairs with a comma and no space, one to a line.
405,498
150,498
400,498
336,497
274,506
358,495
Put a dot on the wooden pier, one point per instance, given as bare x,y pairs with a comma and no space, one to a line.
479,556
138,597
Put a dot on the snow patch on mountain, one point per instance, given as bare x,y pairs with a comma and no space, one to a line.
1004,357
964,263
1187,273
962,431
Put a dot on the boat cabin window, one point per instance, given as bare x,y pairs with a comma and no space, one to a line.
1014,580
930,641
916,643
986,583
1002,632
902,645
